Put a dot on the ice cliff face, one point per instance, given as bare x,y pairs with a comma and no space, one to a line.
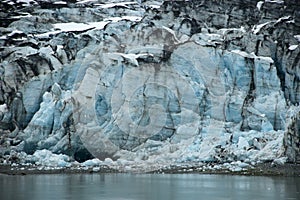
177,81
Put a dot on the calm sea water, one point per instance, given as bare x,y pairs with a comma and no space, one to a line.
147,186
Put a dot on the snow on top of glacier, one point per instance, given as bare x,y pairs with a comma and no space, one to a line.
60,2
259,4
85,1
3,108
297,37
111,5
26,2
256,28
252,55
293,47
73,26
275,1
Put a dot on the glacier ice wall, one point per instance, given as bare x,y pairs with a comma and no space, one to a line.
177,81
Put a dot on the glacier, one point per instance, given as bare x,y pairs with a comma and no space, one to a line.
144,86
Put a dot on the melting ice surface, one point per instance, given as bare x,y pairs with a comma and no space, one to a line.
72,26
148,186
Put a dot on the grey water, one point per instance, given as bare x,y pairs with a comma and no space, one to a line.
147,186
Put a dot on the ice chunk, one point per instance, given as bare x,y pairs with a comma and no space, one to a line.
242,164
96,169
47,158
280,161
108,161
92,163
243,143
266,125
272,150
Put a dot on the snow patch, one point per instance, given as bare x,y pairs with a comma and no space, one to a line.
252,55
86,1
23,2
3,108
154,6
275,1
242,53
60,3
23,15
259,4
293,47
283,19
130,18
72,26
258,27
111,5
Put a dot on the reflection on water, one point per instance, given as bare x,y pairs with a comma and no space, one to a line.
147,186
